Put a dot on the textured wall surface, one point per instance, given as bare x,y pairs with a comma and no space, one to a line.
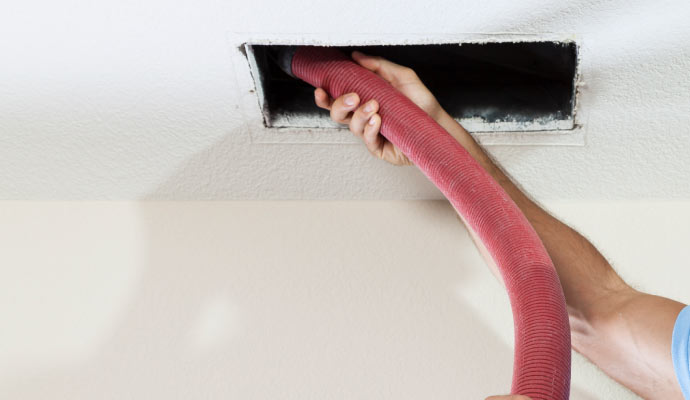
283,300
148,99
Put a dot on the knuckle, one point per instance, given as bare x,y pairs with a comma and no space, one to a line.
354,129
337,113
334,117
408,72
359,115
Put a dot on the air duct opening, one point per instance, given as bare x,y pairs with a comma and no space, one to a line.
506,86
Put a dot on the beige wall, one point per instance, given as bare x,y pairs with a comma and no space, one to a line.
282,300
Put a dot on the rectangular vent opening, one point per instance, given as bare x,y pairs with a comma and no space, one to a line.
488,87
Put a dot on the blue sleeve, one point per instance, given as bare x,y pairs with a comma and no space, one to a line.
679,350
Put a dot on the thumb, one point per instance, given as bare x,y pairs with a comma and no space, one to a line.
388,70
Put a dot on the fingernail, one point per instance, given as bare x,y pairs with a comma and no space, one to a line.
350,100
372,121
369,107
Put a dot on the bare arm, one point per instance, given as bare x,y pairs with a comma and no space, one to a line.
625,332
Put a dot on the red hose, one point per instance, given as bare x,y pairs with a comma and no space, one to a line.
541,368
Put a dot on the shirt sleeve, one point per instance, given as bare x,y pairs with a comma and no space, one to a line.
679,350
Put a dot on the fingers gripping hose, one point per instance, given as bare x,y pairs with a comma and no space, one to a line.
541,367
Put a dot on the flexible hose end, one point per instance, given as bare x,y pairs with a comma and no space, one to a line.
282,55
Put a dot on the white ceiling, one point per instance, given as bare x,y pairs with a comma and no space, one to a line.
150,99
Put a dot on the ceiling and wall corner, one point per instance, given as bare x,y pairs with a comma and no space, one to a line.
154,100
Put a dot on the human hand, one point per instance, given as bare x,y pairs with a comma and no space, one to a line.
364,121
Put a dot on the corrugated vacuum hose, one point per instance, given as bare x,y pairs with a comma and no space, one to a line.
541,368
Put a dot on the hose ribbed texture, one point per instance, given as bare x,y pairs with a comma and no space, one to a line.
541,368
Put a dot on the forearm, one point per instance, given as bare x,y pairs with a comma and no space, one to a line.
580,267
623,331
